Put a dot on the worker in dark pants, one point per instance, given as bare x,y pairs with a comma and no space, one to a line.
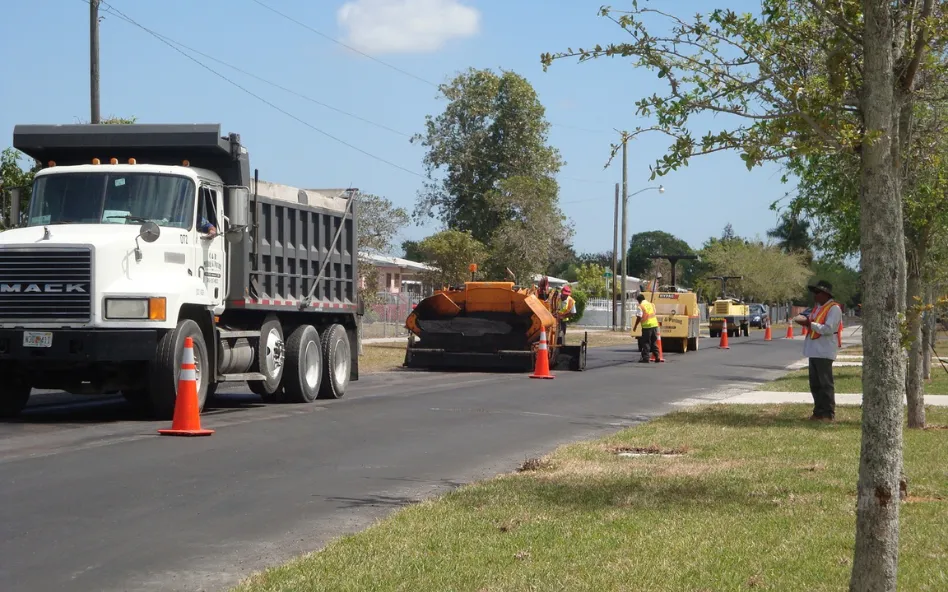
821,345
648,342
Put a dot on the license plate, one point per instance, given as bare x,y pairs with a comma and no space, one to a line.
37,339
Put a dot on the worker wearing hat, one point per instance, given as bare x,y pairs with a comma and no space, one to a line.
820,346
565,307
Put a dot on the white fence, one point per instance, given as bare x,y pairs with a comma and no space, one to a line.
599,313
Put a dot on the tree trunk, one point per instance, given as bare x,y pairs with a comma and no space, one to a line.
875,561
928,333
914,381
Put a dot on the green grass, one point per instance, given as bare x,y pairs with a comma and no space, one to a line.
848,379
761,500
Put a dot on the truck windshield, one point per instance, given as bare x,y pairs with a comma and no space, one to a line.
112,198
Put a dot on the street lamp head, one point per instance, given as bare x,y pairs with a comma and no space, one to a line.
661,189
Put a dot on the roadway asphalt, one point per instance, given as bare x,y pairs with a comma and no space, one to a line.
93,500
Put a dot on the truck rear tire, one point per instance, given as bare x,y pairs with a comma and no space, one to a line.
166,367
271,357
304,366
337,362
14,394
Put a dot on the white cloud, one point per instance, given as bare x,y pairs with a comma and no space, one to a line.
406,26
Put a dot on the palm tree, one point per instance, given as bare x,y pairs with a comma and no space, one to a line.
792,233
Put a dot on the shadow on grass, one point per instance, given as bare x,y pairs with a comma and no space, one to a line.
796,417
725,492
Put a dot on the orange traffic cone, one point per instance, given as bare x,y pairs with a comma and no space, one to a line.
187,418
805,331
658,341
542,369
768,336
789,331
723,344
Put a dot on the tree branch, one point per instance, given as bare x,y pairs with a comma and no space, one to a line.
908,77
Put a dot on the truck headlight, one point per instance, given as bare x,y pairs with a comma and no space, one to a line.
151,309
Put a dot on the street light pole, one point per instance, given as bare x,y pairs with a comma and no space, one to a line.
615,255
625,221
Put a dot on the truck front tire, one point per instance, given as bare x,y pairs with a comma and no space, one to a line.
166,367
337,362
304,366
14,393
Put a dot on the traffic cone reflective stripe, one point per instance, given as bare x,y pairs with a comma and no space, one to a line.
723,344
542,368
187,416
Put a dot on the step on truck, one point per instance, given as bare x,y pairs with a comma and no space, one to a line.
137,237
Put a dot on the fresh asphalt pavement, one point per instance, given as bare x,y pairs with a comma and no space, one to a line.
92,499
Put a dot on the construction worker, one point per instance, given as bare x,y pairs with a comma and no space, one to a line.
820,346
648,342
565,307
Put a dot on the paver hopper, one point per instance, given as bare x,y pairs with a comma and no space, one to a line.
486,326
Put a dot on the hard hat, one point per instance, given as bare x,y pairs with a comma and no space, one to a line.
567,290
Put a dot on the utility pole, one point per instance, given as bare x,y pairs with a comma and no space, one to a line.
625,221
94,58
615,255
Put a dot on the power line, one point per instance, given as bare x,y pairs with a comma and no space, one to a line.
388,65
180,48
128,19
270,82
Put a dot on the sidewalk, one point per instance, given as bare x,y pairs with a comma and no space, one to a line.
775,398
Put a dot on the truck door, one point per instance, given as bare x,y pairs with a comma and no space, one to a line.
211,239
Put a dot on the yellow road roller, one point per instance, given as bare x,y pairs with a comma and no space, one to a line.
486,326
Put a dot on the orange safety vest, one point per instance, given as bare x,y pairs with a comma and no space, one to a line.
821,318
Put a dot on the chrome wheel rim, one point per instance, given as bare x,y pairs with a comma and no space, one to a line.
311,361
273,357
341,362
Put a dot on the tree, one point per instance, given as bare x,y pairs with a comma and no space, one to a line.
792,234
411,251
491,171
657,242
809,77
591,279
533,232
769,274
379,223
14,175
451,252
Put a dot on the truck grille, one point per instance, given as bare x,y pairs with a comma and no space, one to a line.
45,285
722,308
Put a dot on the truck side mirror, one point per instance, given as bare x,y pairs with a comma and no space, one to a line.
15,207
149,232
238,206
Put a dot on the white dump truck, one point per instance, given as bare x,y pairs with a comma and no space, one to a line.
139,236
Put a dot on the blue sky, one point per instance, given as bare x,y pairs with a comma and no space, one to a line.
46,81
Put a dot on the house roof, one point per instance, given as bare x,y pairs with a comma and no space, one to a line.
390,261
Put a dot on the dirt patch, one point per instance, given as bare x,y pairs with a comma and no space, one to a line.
650,450
920,499
531,465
